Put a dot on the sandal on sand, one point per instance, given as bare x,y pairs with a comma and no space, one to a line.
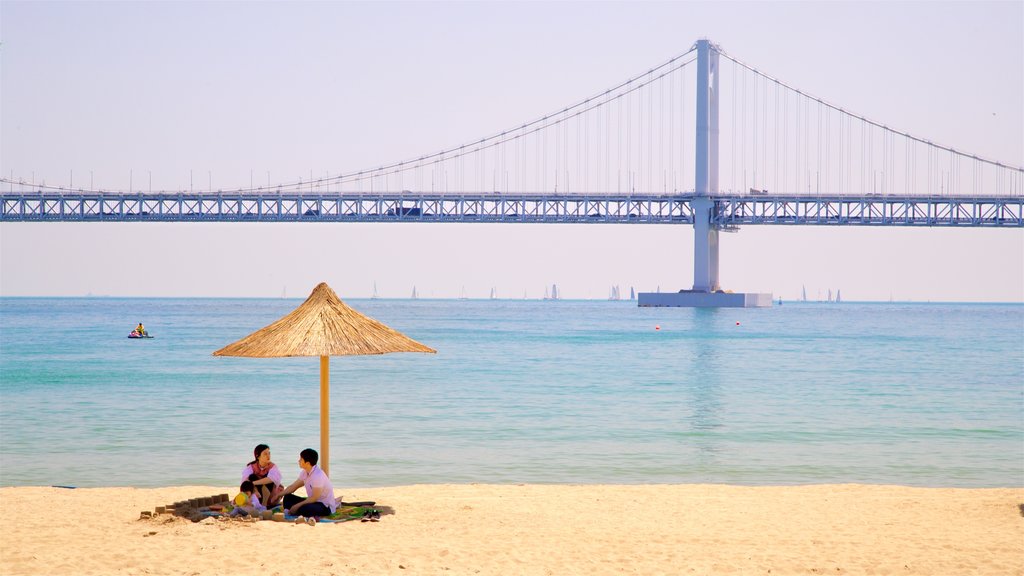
300,520
311,521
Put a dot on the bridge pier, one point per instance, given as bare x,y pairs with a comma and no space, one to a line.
707,291
705,247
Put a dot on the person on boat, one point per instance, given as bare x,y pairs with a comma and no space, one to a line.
140,329
264,475
319,500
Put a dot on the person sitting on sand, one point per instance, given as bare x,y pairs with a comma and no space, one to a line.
247,501
319,500
264,475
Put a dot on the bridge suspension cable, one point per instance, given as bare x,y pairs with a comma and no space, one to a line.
452,168
637,136
812,146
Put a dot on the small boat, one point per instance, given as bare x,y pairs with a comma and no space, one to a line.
135,334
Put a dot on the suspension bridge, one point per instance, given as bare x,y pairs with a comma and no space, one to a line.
704,139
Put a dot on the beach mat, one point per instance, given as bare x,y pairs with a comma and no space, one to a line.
343,514
346,512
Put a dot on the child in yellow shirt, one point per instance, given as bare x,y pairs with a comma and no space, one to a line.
247,501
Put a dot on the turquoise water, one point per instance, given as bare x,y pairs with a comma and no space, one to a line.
520,391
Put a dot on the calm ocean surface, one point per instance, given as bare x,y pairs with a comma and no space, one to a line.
520,391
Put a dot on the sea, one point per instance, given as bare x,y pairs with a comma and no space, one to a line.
520,391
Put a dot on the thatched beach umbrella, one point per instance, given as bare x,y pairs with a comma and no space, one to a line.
323,326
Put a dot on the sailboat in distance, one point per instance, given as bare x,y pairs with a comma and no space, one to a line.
494,295
804,293
554,293
462,296
374,296
838,297
414,296
632,293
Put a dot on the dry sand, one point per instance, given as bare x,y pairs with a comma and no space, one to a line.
547,529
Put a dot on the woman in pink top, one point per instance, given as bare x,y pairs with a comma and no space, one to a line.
264,475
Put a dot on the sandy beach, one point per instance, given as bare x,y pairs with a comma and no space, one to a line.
532,529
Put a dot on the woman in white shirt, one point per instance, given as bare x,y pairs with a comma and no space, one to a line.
264,475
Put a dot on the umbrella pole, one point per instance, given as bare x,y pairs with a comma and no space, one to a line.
325,409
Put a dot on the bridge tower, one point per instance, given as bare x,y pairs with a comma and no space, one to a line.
705,236
707,291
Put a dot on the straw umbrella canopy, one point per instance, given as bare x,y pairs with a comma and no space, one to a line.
323,326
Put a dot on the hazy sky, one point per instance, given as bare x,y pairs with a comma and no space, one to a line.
99,90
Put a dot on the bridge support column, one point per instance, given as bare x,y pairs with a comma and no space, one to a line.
705,247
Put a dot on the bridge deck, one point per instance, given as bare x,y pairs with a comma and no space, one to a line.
730,210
